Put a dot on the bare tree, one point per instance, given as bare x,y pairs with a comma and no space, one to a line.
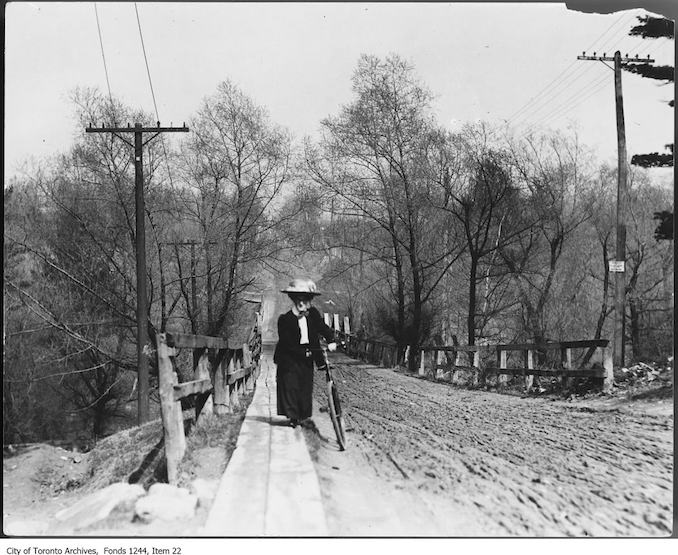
556,181
82,248
649,266
478,193
373,157
233,167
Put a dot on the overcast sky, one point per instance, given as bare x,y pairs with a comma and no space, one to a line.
482,61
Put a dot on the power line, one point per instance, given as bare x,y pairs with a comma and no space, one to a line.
148,71
564,106
567,78
547,101
562,75
155,105
536,113
582,95
103,56
563,109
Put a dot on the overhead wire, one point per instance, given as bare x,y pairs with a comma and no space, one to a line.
591,89
150,82
560,76
103,56
595,87
563,74
577,98
545,102
148,71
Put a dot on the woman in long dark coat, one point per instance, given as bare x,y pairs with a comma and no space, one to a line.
299,332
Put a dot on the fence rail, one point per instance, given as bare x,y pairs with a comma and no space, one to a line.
442,361
528,367
220,377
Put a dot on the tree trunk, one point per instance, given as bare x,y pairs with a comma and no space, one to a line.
471,317
635,328
602,315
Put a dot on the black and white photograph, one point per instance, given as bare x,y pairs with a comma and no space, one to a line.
344,270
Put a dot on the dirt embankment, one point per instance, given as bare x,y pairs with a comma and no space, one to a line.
429,459
452,462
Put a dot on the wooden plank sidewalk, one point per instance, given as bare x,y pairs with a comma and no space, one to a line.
270,487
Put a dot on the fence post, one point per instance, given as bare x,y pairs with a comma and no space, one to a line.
529,363
566,358
221,399
477,362
247,363
172,418
476,368
608,381
421,364
232,387
241,382
502,378
204,401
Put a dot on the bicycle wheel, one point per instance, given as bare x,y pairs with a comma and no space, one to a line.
335,414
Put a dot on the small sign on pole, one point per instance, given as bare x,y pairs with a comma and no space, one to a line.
616,266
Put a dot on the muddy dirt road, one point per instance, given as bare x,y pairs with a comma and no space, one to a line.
426,459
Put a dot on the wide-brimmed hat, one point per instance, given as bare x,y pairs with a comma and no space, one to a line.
301,286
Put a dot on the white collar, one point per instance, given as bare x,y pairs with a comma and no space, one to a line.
296,312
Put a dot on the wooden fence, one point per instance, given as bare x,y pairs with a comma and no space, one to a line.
528,366
369,350
220,377
443,361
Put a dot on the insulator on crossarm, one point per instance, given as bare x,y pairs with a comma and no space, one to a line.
158,123
604,54
583,53
594,53
636,56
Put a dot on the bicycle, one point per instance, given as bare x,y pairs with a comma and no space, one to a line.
334,406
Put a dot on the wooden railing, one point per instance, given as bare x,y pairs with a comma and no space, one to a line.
369,350
221,376
442,362
528,367
440,368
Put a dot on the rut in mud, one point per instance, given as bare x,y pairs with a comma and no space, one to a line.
515,466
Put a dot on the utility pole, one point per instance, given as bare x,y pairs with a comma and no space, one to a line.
142,300
618,266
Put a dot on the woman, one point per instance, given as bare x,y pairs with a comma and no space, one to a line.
298,346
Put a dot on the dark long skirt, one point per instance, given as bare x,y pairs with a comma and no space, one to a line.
295,389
